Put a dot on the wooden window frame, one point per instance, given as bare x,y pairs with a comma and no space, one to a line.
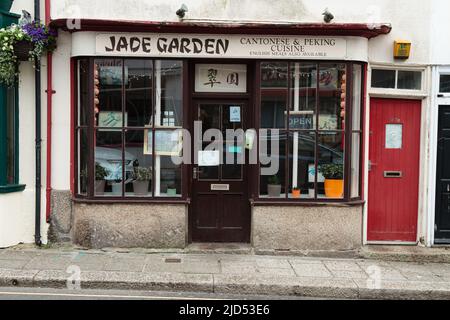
347,135
92,129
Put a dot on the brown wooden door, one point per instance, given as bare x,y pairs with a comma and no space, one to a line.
220,204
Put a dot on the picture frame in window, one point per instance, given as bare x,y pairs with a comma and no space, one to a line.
165,144
112,119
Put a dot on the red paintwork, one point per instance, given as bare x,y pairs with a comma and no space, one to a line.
334,29
393,202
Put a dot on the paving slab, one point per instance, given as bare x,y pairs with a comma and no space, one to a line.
186,265
12,264
311,270
342,266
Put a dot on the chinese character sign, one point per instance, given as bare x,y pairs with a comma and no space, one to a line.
221,78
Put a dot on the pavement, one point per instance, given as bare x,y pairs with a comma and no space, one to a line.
223,274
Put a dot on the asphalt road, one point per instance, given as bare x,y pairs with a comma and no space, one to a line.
85,294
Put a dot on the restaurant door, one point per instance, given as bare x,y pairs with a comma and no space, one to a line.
220,209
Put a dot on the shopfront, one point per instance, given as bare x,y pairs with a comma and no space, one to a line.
218,138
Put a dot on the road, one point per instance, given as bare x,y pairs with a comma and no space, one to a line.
86,294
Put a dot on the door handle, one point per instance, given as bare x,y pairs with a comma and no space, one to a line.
393,174
195,173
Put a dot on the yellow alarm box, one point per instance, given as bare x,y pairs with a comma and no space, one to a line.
402,49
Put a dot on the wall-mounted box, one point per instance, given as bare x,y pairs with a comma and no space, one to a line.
402,49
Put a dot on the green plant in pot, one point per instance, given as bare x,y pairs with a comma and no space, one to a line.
100,174
334,179
274,187
172,190
142,178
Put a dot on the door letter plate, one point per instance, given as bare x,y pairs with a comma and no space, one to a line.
220,187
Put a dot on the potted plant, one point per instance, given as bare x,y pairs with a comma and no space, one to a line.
172,190
116,187
142,177
25,42
274,187
334,183
100,174
296,192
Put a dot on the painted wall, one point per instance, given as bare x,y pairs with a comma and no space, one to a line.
17,210
410,19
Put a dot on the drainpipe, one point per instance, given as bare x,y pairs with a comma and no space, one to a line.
50,93
37,78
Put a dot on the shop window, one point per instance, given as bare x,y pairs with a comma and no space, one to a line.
396,79
122,142
444,83
307,109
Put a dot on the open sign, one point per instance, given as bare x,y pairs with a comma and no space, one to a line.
301,121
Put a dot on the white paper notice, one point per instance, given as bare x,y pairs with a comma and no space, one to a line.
208,158
394,136
235,114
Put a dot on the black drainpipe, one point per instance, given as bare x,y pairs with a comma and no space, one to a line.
37,77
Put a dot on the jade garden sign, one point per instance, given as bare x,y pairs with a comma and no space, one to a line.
221,46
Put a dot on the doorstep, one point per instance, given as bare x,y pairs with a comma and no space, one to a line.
219,248
419,254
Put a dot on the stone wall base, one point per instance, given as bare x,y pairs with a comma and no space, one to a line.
307,228
129,225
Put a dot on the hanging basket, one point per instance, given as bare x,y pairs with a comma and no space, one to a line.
22,50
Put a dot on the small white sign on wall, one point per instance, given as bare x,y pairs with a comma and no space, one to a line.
221,78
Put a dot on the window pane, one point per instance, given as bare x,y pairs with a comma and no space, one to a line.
138,165
273,174
108,163
331,165
303,96
411,80
356,99
169,93
83,92
11,136
109,104
383,78
167,168
138,92
332,96
274,86
444,83
356,156
301,163
82,150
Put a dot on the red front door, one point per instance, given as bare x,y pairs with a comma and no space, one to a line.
393,170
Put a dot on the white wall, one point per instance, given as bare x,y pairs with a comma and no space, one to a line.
410,19
17,210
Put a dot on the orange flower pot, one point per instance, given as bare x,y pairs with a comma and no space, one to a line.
296,193
334,188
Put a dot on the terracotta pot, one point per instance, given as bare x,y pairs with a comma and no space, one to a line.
296,193
334,188
22,50
5,5
100,187
274,190
140,188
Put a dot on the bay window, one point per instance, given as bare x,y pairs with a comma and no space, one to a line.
315,109
127,110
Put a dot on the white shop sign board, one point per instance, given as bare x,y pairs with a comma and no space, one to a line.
221,46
